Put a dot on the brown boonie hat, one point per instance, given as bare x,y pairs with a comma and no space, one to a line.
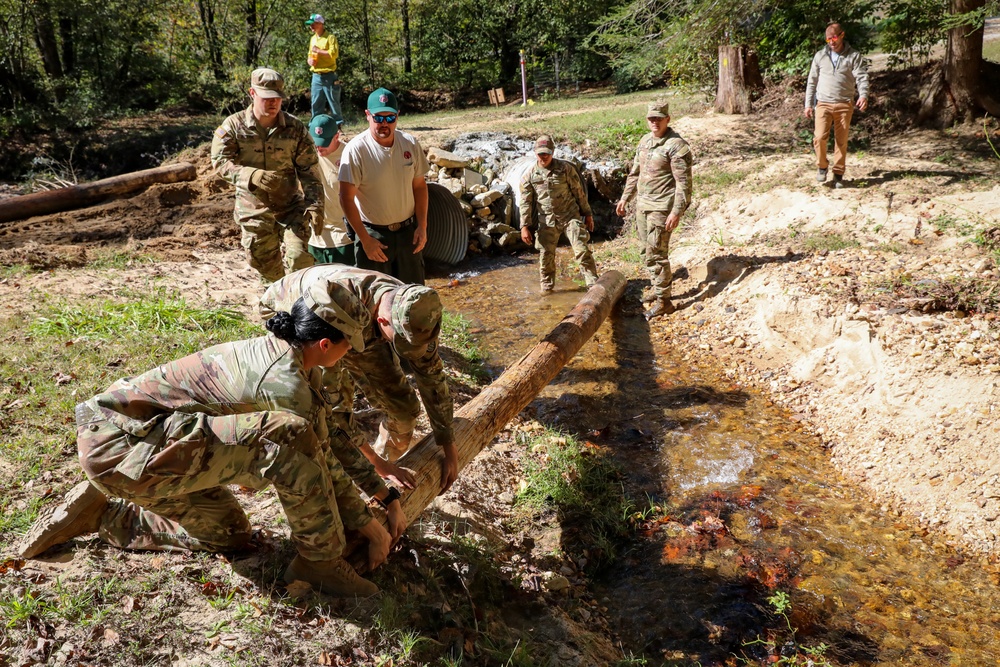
544,145
658,109
416,319
339,308
267,83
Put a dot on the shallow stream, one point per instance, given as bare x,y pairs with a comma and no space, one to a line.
747,505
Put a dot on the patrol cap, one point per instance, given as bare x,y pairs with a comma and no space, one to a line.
416,319
382,100
658,109
315,18
322,129
544,145
267,83
339,308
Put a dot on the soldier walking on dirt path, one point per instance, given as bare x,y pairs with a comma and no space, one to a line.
660,180
405,321
554,198
267,154
836,74
384,194
330,242
161,449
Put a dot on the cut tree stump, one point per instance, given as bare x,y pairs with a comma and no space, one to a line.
478,421
78,196
739,79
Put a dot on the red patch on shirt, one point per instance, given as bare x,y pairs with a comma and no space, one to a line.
406,155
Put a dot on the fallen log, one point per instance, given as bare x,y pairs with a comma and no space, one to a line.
479,420
78,196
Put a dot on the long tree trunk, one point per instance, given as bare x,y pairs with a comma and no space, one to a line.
407,52
965,84
66,25
250,50
739,79
207,13
478,421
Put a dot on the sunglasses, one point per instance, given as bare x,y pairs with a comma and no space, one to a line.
386,118
835,38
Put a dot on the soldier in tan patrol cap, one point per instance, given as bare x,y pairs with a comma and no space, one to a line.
660,180
554,198
404,323
267,154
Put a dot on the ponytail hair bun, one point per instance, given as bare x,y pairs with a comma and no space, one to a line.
282,325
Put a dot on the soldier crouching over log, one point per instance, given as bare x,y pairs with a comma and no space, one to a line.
160,448
404,323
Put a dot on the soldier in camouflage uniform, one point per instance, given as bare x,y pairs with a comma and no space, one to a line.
661,177
159,450
552,192
267,153
405,321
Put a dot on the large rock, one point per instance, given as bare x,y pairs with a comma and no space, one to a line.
443,158
486,198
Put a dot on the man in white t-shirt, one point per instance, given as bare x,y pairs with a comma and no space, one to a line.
384,194
330,244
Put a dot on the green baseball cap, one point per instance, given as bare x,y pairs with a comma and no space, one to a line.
315,18
339,308
416,319
382,100
658,109
323,129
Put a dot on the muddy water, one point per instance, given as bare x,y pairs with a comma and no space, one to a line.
746,505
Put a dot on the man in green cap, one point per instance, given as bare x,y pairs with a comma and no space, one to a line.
384,194
405,323
553,198
330,243
660,180
267,154
322,59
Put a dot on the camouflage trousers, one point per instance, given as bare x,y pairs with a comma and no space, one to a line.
276,244
166,478
652,226
546,240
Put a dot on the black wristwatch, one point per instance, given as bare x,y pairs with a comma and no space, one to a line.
393,494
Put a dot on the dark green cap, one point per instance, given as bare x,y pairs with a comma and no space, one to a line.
382,100
323,129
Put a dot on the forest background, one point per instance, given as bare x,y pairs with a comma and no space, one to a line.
68,64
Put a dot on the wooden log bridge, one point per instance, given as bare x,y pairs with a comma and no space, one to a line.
78,196
478,421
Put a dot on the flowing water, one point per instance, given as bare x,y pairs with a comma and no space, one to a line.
746,504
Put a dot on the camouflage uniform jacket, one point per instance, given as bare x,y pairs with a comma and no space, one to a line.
556,195
368,287
661,174
240,146
256,375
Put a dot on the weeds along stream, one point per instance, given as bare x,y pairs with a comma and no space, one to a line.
744,545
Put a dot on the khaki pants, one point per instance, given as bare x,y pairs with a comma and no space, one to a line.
656,248
546,240
838,116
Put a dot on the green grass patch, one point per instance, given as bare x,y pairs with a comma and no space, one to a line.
991,50
944,222
580,482
829,242
456,335
716,180
970,295
16,271
118,258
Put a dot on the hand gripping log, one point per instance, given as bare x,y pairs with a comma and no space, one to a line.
479,420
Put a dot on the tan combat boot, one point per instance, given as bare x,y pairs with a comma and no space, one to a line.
660,307
333,577
80,513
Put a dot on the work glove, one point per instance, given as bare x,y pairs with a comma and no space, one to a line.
314,218
266,180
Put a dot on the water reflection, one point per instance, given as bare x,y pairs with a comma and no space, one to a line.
749,505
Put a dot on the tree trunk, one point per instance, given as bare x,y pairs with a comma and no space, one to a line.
250,50
479,420
78,196
45,39
739,79
207,13
66,24
961,87
407,51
